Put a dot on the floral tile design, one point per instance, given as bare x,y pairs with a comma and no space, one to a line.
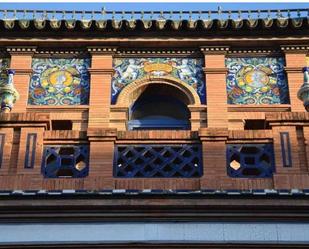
59,81
257,80
188,70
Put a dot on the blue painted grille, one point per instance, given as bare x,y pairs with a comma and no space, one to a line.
65,161
158,161
250,160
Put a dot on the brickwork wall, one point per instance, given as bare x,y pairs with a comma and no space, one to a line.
97,125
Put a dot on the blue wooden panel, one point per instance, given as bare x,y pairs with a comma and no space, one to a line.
65,161
30,150
286,149
250,160
164,160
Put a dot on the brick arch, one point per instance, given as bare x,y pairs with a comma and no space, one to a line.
132,91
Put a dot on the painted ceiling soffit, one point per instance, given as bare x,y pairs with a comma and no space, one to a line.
153,20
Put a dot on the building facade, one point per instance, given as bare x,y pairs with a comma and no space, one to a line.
183,129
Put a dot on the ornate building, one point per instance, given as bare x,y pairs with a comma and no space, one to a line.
161,129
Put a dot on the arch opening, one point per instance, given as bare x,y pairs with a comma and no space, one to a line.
159,106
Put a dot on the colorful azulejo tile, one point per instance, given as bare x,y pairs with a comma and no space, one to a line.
4,65
257,80
59,81
188,70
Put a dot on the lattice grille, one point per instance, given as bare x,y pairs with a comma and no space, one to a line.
250,160
65,161
158,161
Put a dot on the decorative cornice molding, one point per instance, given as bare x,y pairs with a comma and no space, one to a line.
102,50
21,50
59,52
156,52
215,49
295,49
255,52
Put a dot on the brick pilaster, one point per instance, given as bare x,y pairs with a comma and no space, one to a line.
215,75
21,61
101,72
295,58
6,149
100,158
214,156
30,149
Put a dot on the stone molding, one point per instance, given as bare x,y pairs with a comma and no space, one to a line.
21,50
215,49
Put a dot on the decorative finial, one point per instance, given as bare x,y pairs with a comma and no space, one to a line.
8,93
303,92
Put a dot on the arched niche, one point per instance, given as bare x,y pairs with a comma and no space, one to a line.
182,97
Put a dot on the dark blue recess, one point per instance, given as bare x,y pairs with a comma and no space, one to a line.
70,161
255,160
155,161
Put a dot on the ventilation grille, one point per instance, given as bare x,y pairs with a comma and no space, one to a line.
158,161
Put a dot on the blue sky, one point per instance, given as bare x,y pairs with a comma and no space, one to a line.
153,6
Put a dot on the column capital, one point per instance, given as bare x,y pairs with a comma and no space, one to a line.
295,49
102,134
21,50
101,71
293,69
215,70
102,50
214,49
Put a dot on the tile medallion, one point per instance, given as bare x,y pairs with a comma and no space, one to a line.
257,80
59,81
188,70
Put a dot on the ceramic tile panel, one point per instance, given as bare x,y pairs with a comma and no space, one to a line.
59,81
257,80
188,70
